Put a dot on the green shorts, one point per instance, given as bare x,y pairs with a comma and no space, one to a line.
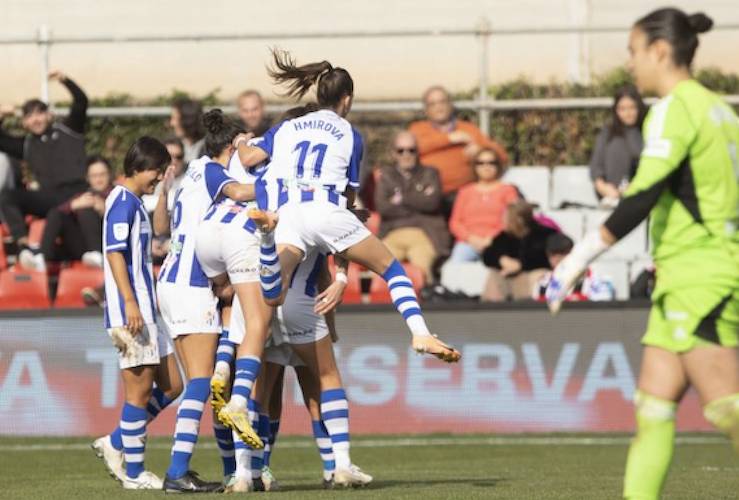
683,319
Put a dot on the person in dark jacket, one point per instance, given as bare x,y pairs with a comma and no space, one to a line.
408,198
618,146
517,257
55,154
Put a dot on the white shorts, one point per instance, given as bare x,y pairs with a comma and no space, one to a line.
282,355
223,248
147,347
188,310
298,323
321,225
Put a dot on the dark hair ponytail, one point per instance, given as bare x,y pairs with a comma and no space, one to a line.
220,132
678,29
332,83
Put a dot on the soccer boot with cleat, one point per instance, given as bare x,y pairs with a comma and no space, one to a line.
237,420
431,344
352,477
328,482
146,481
244,485
269,480
190,483
112,458
218,390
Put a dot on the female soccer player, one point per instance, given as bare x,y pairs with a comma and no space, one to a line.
188,305
310,181
686,183
130,315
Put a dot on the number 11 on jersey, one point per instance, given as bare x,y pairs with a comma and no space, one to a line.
304,148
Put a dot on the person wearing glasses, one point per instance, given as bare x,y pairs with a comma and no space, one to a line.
477,215
449,144
408,198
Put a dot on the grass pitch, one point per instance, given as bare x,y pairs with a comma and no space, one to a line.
430,467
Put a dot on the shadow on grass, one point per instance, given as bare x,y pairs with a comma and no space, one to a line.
392,483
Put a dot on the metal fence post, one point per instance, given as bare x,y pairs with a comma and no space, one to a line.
43,42
483,33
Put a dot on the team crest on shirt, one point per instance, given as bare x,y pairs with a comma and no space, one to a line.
210,318
120,230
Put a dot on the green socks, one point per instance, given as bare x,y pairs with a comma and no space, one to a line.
651,450
724,414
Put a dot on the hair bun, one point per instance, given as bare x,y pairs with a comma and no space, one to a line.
700,22
214,121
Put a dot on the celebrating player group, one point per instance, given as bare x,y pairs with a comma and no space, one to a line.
247,288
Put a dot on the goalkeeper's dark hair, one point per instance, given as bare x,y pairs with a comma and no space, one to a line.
678,29
332,84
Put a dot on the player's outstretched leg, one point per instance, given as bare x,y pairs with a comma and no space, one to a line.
269,262
651,450
234,415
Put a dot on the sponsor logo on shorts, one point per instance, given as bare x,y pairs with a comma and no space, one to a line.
301,333
349,234
249,270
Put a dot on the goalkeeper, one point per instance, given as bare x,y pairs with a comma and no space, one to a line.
686,183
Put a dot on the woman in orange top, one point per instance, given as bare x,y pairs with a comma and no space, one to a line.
477,215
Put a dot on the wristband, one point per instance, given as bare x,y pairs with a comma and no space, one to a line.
340,276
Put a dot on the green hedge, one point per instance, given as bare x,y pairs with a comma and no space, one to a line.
538,137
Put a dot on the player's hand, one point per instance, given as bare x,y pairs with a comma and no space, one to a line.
331,297
57,75
563,279
134,320
168,179
242,139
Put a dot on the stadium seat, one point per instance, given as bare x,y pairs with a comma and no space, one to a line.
617,271
71,282
571,222
633,246
36,232
636,267
379,292
572,185
533,182
465,277
21,289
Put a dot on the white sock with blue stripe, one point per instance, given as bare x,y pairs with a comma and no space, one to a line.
270,270
225,353
226,446
158,402
257,456
243,458
188,426
323,441
247,369
133,435
335,416
405,299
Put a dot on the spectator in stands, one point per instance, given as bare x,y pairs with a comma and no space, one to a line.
590,287
618,146
55,154
449,144
478,210
250,107
408,198
74,229
517,256
186,121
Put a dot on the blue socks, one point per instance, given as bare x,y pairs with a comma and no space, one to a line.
335,416
270,275
247,369
274,429
323,441
225,442
405,299
225,353
188,426
133,436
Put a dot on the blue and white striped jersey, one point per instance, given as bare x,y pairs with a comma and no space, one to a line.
227,211
305,278
200,189
313,157
127,229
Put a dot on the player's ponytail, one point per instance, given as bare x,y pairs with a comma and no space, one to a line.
332,84
678,29
220,132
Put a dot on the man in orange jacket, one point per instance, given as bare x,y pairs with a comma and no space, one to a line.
448,143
